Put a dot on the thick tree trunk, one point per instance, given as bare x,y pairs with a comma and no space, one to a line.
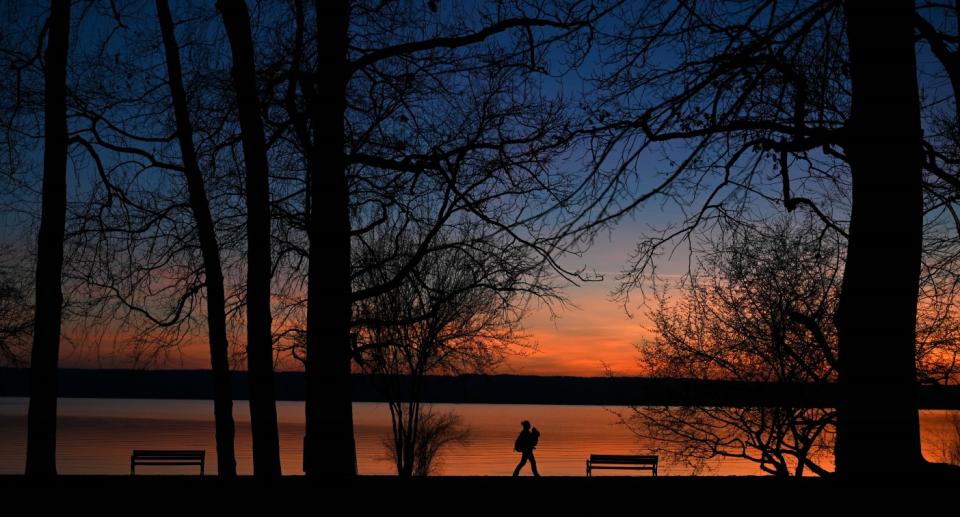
878,427
42,414
210,249
329,447
263,409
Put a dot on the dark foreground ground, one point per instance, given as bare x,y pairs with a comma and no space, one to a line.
455,496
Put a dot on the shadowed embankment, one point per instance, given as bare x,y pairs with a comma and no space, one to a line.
466,495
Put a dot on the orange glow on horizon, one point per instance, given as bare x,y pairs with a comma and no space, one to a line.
592,339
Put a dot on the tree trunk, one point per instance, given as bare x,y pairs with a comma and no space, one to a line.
263,409
329,447
209,248
878,424
42,414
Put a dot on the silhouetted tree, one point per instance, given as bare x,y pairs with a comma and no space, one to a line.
329,403
20,114
434,433
932,21
44,357
937,26
473,145
952,450
876,321
263,410
137,237
400,101
443,132
758,307
789,104
210,249
140,243
16,315
452,314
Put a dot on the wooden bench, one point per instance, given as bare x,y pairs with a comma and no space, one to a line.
622,462
145,457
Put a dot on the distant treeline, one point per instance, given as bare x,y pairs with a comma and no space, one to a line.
469,389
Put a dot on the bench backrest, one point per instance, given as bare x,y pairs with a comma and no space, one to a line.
619,459
167,455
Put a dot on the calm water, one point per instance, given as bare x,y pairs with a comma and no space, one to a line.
96,436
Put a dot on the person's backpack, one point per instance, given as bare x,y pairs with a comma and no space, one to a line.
534,437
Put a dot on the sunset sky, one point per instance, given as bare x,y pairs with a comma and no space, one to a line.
581,341
590,335
595,332
584,338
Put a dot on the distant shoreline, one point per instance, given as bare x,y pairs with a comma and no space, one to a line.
477,389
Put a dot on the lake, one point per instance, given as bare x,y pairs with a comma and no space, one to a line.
95,436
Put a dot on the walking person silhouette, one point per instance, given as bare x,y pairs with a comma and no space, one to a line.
525,443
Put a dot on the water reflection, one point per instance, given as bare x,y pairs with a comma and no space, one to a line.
96,436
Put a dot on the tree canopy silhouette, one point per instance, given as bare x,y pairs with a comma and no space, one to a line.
455,313
767,103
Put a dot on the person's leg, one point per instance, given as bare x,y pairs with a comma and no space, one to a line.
533,464
523,461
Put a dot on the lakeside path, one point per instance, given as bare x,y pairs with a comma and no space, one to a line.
192,495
